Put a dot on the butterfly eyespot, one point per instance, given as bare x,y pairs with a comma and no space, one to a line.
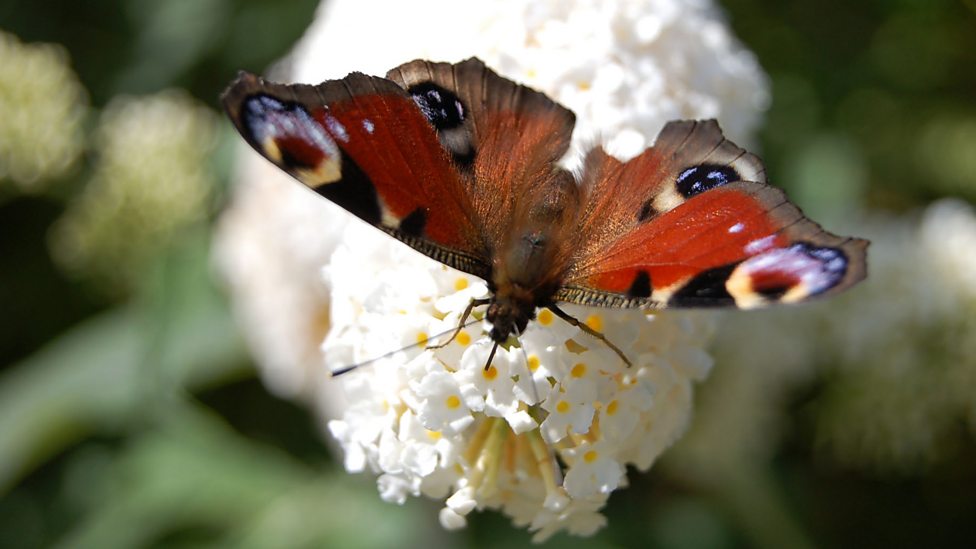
700,178
786,275
289,136
442,108
446,113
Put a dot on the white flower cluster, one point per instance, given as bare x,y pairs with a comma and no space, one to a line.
42,107
545,432
625,67
437,422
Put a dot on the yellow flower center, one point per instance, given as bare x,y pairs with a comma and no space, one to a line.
463,339
453,402
421,338
578,371
534,363
545,317
460,284
562,407
433,435
491,373
612,407
590,456
595,322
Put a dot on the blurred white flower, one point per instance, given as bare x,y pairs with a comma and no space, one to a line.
271,245
625,68
42,106
151,178
544,434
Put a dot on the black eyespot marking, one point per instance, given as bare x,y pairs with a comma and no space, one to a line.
706,289
446,113
646,212
700,178
441,107
641,286
413,224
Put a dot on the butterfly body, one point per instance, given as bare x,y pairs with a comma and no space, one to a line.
462,165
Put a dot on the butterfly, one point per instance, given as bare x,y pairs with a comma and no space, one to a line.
462,165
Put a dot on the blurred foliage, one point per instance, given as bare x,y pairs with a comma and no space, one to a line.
873,101
132,417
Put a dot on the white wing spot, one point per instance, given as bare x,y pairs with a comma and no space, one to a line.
368,125
760,244
737,228
337,129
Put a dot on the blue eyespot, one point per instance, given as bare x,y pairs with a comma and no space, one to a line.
700,178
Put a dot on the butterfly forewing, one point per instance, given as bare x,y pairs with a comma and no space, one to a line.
362,143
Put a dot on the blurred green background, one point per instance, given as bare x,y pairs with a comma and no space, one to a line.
130,411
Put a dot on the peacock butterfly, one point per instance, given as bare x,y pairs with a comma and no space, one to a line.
460,164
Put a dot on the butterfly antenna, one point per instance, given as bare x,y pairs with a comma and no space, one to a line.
461,325
351,367
535,391
582,326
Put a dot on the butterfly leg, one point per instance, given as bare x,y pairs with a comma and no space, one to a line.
582,326
461,323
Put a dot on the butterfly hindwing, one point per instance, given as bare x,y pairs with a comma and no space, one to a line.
363,143
691,223
504,138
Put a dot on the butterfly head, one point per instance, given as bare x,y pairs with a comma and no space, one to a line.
510,310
